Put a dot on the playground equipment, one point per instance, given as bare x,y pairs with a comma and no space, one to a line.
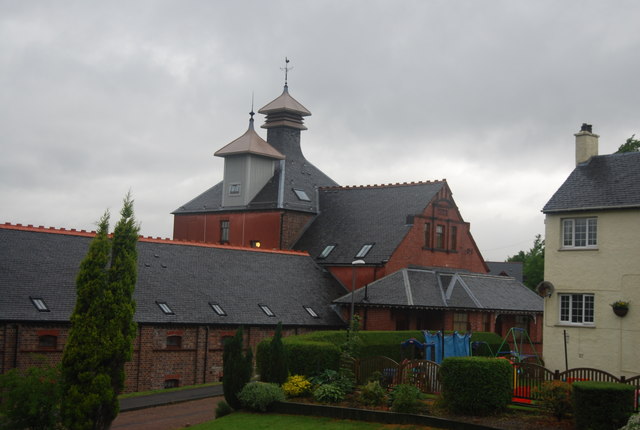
515,341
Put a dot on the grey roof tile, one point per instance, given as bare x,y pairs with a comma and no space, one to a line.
187,277
351,217
605,181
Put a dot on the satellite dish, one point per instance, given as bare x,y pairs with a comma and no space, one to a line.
545,289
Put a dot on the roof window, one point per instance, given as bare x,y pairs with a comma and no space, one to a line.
310,311
40,305
165,308
302,195
326,251
364,250
218,309
268,312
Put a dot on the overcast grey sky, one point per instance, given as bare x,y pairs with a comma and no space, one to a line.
99,97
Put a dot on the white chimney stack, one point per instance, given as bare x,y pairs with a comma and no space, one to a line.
586,144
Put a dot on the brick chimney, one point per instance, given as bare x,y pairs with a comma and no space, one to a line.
586,144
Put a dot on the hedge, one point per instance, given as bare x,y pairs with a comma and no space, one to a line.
602,405
476,385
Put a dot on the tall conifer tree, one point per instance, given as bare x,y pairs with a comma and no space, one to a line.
102,328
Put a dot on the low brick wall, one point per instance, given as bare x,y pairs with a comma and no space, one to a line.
372,416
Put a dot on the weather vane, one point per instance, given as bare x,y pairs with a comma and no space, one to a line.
286,69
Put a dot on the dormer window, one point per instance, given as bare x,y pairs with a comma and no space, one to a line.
326,251
40,305
234,189
301,195
165,308
218,309
268,312
364,250
310,311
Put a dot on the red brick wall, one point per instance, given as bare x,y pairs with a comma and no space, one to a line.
198,360
293,225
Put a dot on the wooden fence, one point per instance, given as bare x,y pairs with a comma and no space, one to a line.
527,377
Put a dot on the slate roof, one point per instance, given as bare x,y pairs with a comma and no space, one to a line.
604,182
429,288
250,143
509,268
351,217
40,264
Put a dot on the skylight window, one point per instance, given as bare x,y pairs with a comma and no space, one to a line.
40,305
218,309
268,312
165,308
364,250
310,311
302,195
326,251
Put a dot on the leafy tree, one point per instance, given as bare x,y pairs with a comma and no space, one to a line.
631,145
236,367
532,263
102,327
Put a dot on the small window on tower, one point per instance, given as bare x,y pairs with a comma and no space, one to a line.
302,195
224,231
234,189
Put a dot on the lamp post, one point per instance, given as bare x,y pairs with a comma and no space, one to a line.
353,287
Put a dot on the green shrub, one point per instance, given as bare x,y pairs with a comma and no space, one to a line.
237,368
258,396
633,423
602,405
310,357
296,385
339,378
329,393
373,394
223,409
406,399
555,398
30,399
476,385
273,364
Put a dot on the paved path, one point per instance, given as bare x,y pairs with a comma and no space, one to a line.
168,411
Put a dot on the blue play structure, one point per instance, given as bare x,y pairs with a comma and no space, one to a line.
436,347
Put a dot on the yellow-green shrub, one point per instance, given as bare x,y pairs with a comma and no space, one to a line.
296,385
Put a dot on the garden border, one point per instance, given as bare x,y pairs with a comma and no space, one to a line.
383,417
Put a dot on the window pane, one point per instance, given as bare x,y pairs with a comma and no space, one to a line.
567,234
593,231
439,237
581,232
576,308
564,308
427,235
588,308
454,237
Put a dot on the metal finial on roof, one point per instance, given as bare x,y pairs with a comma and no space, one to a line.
252,113
286,69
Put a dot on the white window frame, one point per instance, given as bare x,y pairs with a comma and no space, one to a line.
577,309
235,189
568,233
267,310
364,250
40,305
164,307
218,309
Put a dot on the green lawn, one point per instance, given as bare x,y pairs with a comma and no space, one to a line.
246,420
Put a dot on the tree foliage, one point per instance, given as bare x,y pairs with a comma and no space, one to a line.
102,327
532,263
236,367
631,145
277,368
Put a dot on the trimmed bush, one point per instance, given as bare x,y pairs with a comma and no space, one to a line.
296,385
223,409
476,385
308,358
258,396
30,399
406,399
329,393
555,398
237,368
373,394
602,405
